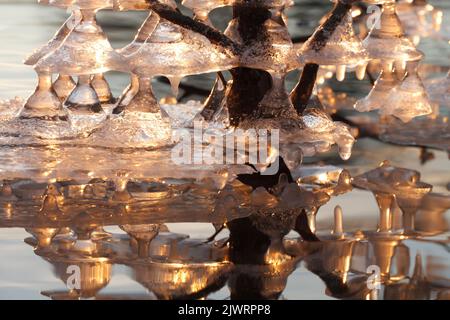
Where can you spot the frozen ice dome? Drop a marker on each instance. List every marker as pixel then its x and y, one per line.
pixel 272 50
pixel 86 50
pixel 409 98
pixel 173 51
pixel 389 42
pixel 377 97
pixel 53 44
pixel 343 47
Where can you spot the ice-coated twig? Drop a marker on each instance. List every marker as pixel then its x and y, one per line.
pixel 216 37
pixel 304 88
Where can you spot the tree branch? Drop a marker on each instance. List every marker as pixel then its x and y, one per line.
pixel 304 88
pixel 216 37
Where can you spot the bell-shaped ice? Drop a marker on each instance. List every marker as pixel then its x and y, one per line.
pixel 379 94
pixel 389 43
pixel 139 125
pixel 202 8
pixel 391 180
pixel 271 50
pixel 44 103
pixel 54 43
pixel 86 50
pixel 342 48
pixel 102 89
pixel 142 35
pixel 175 52
pixel 63 86
pixel 408 99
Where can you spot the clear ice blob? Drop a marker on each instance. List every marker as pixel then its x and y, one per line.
pixel 83 99
pixel 102 89
pixel 44 103
pixel 343 48
pixel 63 86
pixel 389 43
pixel 173 51
pixel 85 51
pixel 408 99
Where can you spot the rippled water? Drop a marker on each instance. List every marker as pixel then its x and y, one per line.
pixel 24 274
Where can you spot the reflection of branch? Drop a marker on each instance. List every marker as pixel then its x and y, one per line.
pixel 303 229
pixel 216 37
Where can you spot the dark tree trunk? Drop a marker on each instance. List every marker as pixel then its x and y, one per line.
pixel 249 85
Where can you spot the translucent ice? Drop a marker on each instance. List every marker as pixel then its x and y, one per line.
pixel 44 103
pixel 408 99
pixel 343 48
pixel 133 129
pixel 176 52
pixel 142 35
pixel 377 97
pixel 54 43
pixel 63 86
pixel 86 50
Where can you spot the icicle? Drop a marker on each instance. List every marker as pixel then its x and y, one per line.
pixel 44 103
pixel 174 84
pixel 361 71
pixel 338 228
pixel 340 72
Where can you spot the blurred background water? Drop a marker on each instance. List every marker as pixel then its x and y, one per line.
pixel 25 25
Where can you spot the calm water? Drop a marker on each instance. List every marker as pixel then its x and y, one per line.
pixel 23 274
